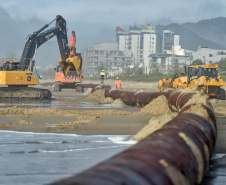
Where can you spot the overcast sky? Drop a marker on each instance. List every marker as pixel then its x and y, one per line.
pixel 116 12
pixel 95 20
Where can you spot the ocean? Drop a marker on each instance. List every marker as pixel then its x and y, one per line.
pixel 41 158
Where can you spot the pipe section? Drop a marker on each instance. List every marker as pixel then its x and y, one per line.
pixel 175 99
pixel 176 154
pixel 95 87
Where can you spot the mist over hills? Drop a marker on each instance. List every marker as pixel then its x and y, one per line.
pixel 191 40
pixel 13 33
pixel 211 29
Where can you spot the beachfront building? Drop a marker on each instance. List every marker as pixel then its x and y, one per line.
pixel 167 39
pixel 141 41
pixel 108 56
pixel 145 40
pixel 170 61
pixel 208 56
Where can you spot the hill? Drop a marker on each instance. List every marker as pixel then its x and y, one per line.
pixel 191 40
pixel 211 29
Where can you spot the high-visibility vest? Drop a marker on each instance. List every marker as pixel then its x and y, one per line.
pixel 102 73
pixel 118 84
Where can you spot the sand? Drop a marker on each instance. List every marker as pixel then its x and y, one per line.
pixel 97 95
pixel 58 112
pixel 158 106
pixel 86 121
pixel 153 125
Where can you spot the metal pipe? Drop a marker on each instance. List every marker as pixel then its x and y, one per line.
pixel 178 153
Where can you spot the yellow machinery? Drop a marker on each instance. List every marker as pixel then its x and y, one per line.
pixel 204 76
pixel 17 74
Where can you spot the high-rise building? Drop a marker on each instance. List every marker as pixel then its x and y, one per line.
pixel 106 55
pixel 140 41
pixel 144 41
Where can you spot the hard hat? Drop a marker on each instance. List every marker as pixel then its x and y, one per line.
pixel 117 78
pixel 102 70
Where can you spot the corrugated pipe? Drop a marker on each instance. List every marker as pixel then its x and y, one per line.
pixel 96 87
pixel 176 154
pixel 175 99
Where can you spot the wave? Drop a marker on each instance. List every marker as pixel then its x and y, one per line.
pixel 36 133
pixel 73 150
pixel 47 142
pixel 122 140
pixel 217 156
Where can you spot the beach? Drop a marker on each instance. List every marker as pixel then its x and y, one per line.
pixel 93 115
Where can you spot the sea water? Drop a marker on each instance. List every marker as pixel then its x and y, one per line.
pixel 41 158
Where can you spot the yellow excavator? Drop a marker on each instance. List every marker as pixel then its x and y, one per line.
pixel 204 76
pixel 17 74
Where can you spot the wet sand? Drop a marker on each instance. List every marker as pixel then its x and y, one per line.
pixel 102 125
pixel 124 121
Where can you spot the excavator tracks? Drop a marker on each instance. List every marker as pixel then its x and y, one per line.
pixel 25 93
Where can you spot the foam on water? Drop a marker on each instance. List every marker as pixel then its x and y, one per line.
pixel 217 156
pixel 122 140
pixel 73 150
pixel 36 133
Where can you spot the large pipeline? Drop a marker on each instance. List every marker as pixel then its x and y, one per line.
pixel 176 154
pixel 176 99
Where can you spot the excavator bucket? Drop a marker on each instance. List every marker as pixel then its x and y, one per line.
pixel 72 64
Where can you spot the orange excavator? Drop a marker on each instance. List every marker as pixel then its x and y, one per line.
pixel 17 75
pixel 73 79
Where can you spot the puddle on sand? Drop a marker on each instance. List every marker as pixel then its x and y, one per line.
pixel 216 174
pixel 59 104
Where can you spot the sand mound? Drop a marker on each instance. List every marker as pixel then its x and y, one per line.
pixel 82 120
pixel 157 106
pixel 88 92
pixel 220 111
pixel 97 95
pixel 190 90
pixel 139 91
pixel 56 112
pixel 6 124
pixel 35 111
pixel 24 122
pixel 153 125
pixel 108 100
pixel 199 98
pixel 118 101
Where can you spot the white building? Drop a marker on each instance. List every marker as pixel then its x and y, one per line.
pixel 140 41
pixel 207 55
pixel 108 56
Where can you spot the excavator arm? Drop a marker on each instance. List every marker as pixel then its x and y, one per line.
pixel 67 62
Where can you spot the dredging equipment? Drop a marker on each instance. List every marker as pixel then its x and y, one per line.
pixel 176 154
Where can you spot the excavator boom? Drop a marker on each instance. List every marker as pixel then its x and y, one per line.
pixel 18 74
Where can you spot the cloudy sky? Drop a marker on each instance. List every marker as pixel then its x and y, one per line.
pixel 96 20
pixel 116 11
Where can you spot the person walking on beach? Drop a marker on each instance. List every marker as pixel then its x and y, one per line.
pixel 118 83
pixel 102 77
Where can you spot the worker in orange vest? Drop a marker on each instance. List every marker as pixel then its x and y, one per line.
pixel 118 83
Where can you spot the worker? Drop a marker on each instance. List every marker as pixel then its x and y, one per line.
pixel 102 77
pixel 118 83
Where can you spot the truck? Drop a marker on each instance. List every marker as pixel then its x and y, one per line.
pixel 205 77
pixel 16 75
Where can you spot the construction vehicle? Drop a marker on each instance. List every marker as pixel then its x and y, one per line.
pixel 203 76
pixel 73 79
pixel 18 74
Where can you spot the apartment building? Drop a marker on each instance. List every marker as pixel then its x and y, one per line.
pixel 141 41
pixel 108 56
pixel 207 55
pixel 145 40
